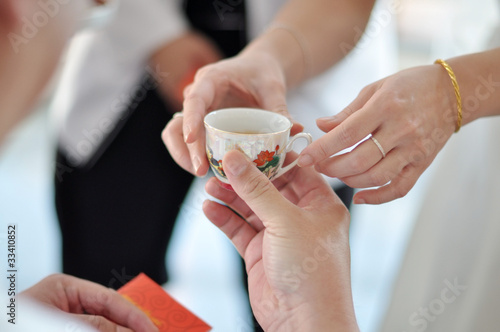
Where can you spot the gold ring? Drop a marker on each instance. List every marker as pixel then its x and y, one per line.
pixel 378 146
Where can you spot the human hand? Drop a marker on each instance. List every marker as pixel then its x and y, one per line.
pixel 246 80
pixel 180 59
pixel 295 243
pixel 411 114
pixel 101 307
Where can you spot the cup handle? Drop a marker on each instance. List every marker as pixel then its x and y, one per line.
pixel 289 147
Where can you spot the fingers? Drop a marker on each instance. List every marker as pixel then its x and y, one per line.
pixel 98 300
pixel 198 99
pixel 236 229
pixel 344 130
pixel 255 188
pixel 198 157
pixel 101 324
pixel 328 123
pixel 218 190
pixel 345 135
pixel 398 188
pixel 273 96
pixel 194 109
pixel 358 161
pixel 173 139
pixel 383 172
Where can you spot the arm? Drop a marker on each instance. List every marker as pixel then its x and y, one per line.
pixel 412 114
pixel 304 41
pixel 294 239
pixel 305 36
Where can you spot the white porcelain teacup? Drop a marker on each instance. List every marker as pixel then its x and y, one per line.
pixel 262 135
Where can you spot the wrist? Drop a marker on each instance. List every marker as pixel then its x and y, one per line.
pixel 327 318
pixel 287 51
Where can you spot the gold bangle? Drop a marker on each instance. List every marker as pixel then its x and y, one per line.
pixel 453 78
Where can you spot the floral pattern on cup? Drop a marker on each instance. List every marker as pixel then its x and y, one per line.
pixel 267 162
pixel 262 136
pixel 216 164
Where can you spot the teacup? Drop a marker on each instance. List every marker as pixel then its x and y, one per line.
pixel 262 135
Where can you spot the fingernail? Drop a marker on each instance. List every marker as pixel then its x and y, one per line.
pixel 196 164
pixel 305 160
pixel 236 165
pixel 187 132
pixel 359 201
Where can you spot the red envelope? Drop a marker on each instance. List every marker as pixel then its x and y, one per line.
pixel 167 314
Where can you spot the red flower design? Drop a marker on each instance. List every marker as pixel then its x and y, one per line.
pixel 220 167
pixel 263 157
pixel 277 148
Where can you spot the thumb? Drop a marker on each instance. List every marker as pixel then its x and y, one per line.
pixel 254 187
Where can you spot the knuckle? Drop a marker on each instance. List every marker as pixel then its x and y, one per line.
pixel 211 70
pixel 394 102
pixel 348 110
pixel 368 89
pixel 400 190
pixel 166 132
pixel 323 149
pixel 256 186
pixel 381 178
pixel 275 86
pixel 347 134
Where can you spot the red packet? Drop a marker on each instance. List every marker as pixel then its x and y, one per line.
pixel 167 314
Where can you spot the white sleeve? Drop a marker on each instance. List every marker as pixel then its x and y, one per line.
pixel 104 71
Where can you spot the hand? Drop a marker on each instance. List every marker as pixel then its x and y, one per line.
pixel 294 240
pixel 244 81
pixel 181 58
pixel 411 114
pixel 101 307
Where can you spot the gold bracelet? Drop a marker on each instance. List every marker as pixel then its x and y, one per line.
pixel 457 91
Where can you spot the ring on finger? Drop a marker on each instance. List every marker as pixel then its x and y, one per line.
pixel 379 146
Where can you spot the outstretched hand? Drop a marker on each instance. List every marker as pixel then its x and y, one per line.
pixel 294 240
pixel 243 81
pixel 101 307
pixel 410 114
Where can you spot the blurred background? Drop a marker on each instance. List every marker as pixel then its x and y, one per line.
pixel 204 268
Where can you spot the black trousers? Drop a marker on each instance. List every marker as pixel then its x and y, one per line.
pixel 117 217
